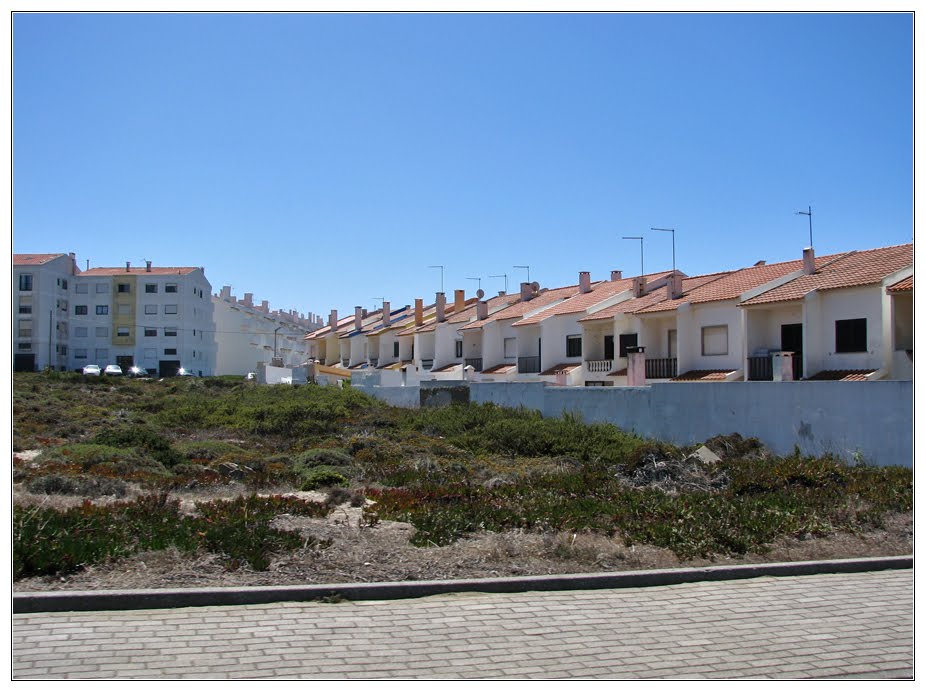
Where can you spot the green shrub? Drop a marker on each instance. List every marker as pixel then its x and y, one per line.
pixel 88 486
pixel 142 438
pixel 322 477
pixel 323 457
pixel 207 449
pixel 87 455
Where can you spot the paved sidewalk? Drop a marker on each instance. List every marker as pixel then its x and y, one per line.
pixel 818 626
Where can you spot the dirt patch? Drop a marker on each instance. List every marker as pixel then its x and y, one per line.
pixel 344 548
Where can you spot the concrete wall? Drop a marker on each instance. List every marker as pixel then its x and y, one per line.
pixel 870 419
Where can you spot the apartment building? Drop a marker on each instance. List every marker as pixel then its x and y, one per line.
pixel 248 334
pixel 42 286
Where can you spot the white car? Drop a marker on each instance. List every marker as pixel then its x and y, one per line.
pixel 183 372
pixel 92 370
pixel 113 370
pixel 251 376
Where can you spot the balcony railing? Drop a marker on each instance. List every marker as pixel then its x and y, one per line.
pixel 474 363
pixel 760 367
pixel 599 365
pixel 427 363
pixel 529 364
pixel 661 368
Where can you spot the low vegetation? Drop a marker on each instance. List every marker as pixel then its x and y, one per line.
pixel 450 472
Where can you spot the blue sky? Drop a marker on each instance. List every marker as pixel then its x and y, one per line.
pixel 327 160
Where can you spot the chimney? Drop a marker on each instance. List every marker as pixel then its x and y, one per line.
pixel 809 267
pixel 482 310
pixel 459 299
pixel 419 312
pixel 674 287
pixel 226 292
pixel 333 319
pixel 386 311
pixel 527 291
pixel 248 300
pixel 616 275
pixel 358 317
pixel 265 305
pixel 128 266
pixel 148 266
pixel 585 282
pixel 639 286
pixel 440 304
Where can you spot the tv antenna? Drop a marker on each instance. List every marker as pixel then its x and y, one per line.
pixel 501 276
pixel 809 215
pixel 527 267
pixel 640 238
pixel 441 267
pixel 672 231
pixel 476 278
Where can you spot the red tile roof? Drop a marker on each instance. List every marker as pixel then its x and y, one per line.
pixel 35 259
pixel 902 286
pixel 842 375
pixel 601 291
pixel 160 271
pixel 448 368
pixel 522 307
pixel 562 367
pixel 859 268
pixel 500 368
pixel 494 303
pixel 730 285
pixel 658 295
pixel 703 376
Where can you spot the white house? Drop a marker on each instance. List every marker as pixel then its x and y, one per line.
pixel 42 288
pixel 248 334
pixel 160 318
pixel 839 315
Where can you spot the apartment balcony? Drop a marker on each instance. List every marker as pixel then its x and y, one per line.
pixel 661 368
pixel 474 363
pixel 529 364
pixel 599 366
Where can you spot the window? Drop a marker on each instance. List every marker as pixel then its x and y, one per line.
pixel 574 346
pixel 102 332
pixel 102 288
pixel 123 288
pixel 151 309
pixel 852 336
pixel 25 309
pixel 80 354
pixel 714 340
pixel 25 282
pixel 81 288
pixel 101 354
pixel 122 331
pixel 63 283
pixel 63 350
pixel 395 350
pixel 170 352
pixel 626 341
pixel 80 309
pixel 80 331
pixel 170 309
pixel 458 349
pixel 171 288
pixel 149 331
pixel 151 288
pixel 170 331
pixel 26 346
pixel 511 347
pixel 25 329
pixel 124 309
pixel 102 309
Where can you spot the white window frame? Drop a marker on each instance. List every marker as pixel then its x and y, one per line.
pixel 715 340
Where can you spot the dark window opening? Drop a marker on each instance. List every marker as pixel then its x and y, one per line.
pixel 626 341
pixel 852 336
pixel 574 346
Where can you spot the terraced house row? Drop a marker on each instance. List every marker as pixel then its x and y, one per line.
pixel 843 316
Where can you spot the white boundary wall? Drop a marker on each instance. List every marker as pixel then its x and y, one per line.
pixel 868 420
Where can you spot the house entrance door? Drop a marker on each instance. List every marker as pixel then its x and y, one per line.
pixel 792 339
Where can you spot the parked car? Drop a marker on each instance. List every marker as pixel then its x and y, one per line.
pixel 113 370
pixel 136 371
pixel 251 376
pixel 91 370
pixel 183 372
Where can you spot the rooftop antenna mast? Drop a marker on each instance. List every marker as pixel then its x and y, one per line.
pixel 476 278
pixel 501 276
pixel 672 231
pixel 441 267
pixel 640 238
pixel 382 301
pixel 809 215
pixel 527 267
